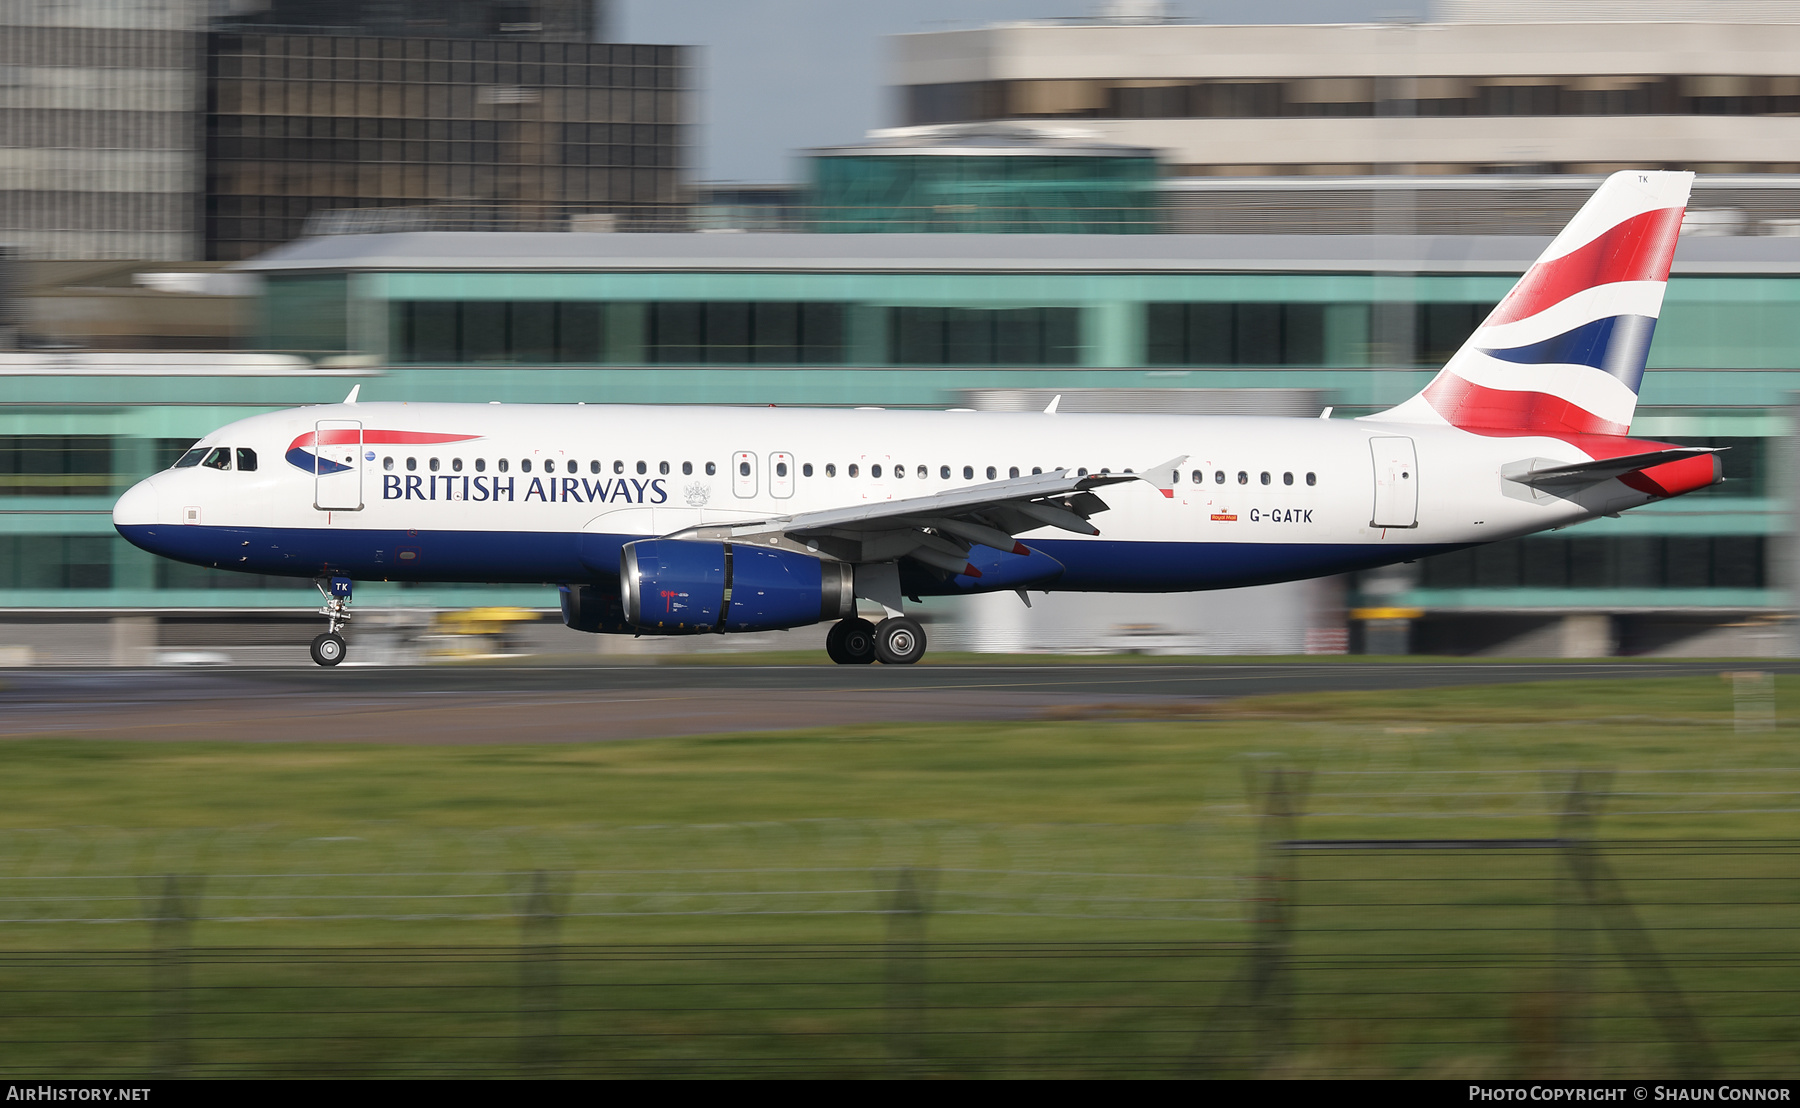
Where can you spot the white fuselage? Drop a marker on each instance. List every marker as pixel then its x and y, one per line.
pixel 540 493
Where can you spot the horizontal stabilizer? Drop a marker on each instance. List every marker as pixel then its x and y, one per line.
pixel 1537 475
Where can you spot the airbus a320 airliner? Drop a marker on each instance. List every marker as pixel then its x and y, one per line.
pixel 701 520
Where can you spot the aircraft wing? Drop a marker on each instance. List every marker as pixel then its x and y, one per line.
pixel 939 528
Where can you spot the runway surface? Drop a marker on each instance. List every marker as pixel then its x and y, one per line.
pixel 588 703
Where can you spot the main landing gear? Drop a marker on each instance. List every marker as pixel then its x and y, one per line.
pixel 329 649
pixel 898 641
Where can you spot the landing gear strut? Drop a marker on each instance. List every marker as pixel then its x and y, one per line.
pixel 851 642
pixel 329 649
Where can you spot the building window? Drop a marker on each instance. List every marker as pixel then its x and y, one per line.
pixel 58 561
pixel 984 336
pixel 497 331
pixel 57 465
pixel 1604 562
pixel 744 333
pixel 1234 334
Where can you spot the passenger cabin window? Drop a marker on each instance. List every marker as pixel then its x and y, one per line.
pixel 1243 478
pixel 503 465
pixel 433 465
pixel 992 473
pixel 246 460
pixel 190 459
pixel 1199 476
pixel 944 473
pixel 662 468
pixel 220 458
pixel 524 465
pixel 852 470
pixel 968 473
pixel 1287 478
pixel 780 469
pixel 594 466
pixel 1311 479
pixel 412 464
pixel 1265 477
pixel 831 469
pixel 711 469
pixel 899 472
pixel 642 469
pixel 1013 472
pixel 618 467
pixel 806 469
pixel 480 465
pixel 875 471
pixel 549 465
pixel 743 469
pixel 1218 477
pixel 1035 470
pixel 687 469
pixel 387 463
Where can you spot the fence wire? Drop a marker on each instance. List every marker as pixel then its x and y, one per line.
pixel 1565 956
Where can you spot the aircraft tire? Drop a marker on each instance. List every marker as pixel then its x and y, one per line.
pixel 899 641
pixel 328 649
pixel 851 642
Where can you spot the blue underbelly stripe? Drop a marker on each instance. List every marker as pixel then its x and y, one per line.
pixel 540 557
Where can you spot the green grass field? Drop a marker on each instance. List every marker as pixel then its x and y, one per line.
pixel 764 867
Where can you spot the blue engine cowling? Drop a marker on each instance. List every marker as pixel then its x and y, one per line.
pixel 685 586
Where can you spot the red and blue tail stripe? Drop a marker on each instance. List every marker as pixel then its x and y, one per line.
pixel 1564 353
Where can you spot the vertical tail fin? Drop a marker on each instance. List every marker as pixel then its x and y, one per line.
pixel 1565 351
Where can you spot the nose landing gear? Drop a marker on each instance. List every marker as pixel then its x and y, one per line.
pixel 329 649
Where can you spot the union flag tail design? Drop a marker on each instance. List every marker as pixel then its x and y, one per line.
pixel 1565 351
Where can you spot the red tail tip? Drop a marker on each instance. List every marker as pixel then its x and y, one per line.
pixel 971 571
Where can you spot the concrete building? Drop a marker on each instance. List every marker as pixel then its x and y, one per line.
pixel 1486 87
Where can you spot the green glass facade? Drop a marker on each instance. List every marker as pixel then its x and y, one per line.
pixel 1021 191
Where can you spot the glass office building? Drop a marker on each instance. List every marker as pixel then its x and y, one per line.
pixel 100 114
pixel 304 123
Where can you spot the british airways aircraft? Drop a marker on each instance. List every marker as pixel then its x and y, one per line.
pixel 701 520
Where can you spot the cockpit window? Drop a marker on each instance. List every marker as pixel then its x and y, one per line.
pixel 246 460
pixel 220 458
pixel 190 459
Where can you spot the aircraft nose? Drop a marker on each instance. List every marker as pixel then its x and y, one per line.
pixel 139 506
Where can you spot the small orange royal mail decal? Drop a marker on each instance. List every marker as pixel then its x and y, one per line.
pixel 1224 517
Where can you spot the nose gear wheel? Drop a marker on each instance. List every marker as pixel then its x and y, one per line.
pixel 329 649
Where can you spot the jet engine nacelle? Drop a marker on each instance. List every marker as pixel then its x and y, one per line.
pixel 685 586
pixel 594 609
